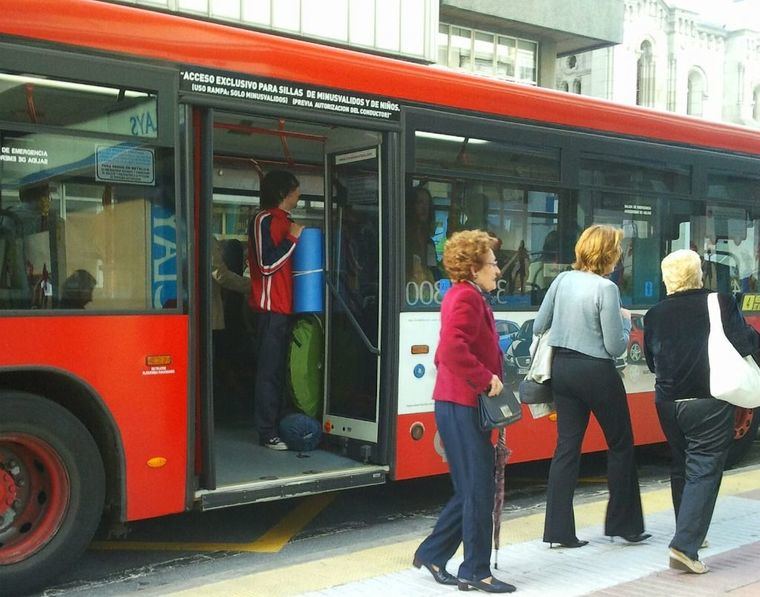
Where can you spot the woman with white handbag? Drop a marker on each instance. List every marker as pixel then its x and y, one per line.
pixel 694 341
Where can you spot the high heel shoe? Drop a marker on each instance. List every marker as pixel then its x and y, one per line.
pixel 574 544
pixel 439 573
pixel 493 586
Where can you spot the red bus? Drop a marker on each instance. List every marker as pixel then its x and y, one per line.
pixel 131 140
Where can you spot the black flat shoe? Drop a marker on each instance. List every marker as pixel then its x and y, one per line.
pixel 637 538
pixel 494 586
pixel 632 538
pixel 575 543
pixel 439 574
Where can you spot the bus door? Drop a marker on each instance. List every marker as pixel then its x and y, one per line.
pixel 353 189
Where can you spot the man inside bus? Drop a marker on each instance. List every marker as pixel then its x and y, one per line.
pixel 272 237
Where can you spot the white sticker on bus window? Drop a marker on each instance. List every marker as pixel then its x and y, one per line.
pixel 356 156
pixel 130 165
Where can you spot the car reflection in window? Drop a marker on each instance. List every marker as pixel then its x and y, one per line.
pixel 517 357
pixel 507 331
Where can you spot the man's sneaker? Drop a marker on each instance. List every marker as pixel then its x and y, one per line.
pixel 275 443
pixel 680 561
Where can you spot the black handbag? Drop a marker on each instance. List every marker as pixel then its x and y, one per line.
pixel 532 392
pixel 499 411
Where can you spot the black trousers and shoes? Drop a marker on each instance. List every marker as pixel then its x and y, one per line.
pixel 583 385
pixel 272 340
pixel 700 433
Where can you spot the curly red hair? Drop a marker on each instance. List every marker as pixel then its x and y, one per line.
pixel 465 251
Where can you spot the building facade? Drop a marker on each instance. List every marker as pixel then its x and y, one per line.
pixel 401 28
pixel 508 40
pixel 673 58
pixel 521 41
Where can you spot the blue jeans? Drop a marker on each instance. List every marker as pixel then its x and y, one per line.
pixel 468 516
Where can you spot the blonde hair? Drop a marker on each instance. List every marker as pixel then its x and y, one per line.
pixel 681 270
pixel 598 249
pixel 464 251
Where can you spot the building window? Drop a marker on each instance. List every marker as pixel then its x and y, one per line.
pixel 756 104
pixel 460 50
pixel 577 86
pixel 695 93
pixel 645 76
pixel 488 54
pixel 564 86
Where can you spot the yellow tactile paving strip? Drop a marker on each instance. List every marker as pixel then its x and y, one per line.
pixel 359 565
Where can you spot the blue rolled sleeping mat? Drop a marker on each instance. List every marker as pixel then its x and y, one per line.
pixel 308 272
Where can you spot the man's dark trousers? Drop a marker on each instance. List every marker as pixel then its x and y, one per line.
pixel 272 339
pixel 468 516
pixel 699 433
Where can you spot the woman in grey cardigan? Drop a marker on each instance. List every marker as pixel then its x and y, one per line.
pixel 588 330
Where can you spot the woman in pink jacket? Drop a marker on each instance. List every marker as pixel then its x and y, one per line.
pixel 468 362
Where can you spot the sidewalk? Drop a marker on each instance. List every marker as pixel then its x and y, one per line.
pixel 602 568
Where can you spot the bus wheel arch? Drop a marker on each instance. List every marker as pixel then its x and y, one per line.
pixel 54 489
pixel 82 401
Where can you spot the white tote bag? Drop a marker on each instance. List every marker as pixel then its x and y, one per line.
pixel 541 358
pixel 733 378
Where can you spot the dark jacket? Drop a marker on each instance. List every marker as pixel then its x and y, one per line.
pixel 675 338
pixel 468 353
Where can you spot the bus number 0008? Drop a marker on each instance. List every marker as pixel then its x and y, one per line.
pixel 425 293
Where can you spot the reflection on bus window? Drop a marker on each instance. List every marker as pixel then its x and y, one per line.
pixel 726 237
pixel 637 274
pixel 86 218
pixel 78 106
pixel 523 223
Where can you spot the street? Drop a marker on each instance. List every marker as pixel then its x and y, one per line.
pixel 155 556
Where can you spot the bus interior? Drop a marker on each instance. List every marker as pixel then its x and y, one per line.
pixel 331 373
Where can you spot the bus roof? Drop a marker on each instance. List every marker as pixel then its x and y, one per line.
pixel 178 39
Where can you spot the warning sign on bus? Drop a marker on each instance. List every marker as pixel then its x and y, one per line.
pixel 287 93
pixel 125 164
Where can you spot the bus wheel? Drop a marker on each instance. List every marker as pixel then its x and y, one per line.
pixel 52 488
pixel 746 423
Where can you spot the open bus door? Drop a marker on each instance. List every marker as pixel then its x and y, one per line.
pixel 353 190
pixel 233 154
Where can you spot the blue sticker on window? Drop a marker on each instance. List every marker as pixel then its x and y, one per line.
pixel 419 371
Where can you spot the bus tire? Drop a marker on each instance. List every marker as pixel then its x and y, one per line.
pixel 52 488
pixel 746 423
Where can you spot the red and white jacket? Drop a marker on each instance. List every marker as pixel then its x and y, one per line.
pixel 270 246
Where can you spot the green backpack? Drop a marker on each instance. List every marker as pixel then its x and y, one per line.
pixel 306 357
